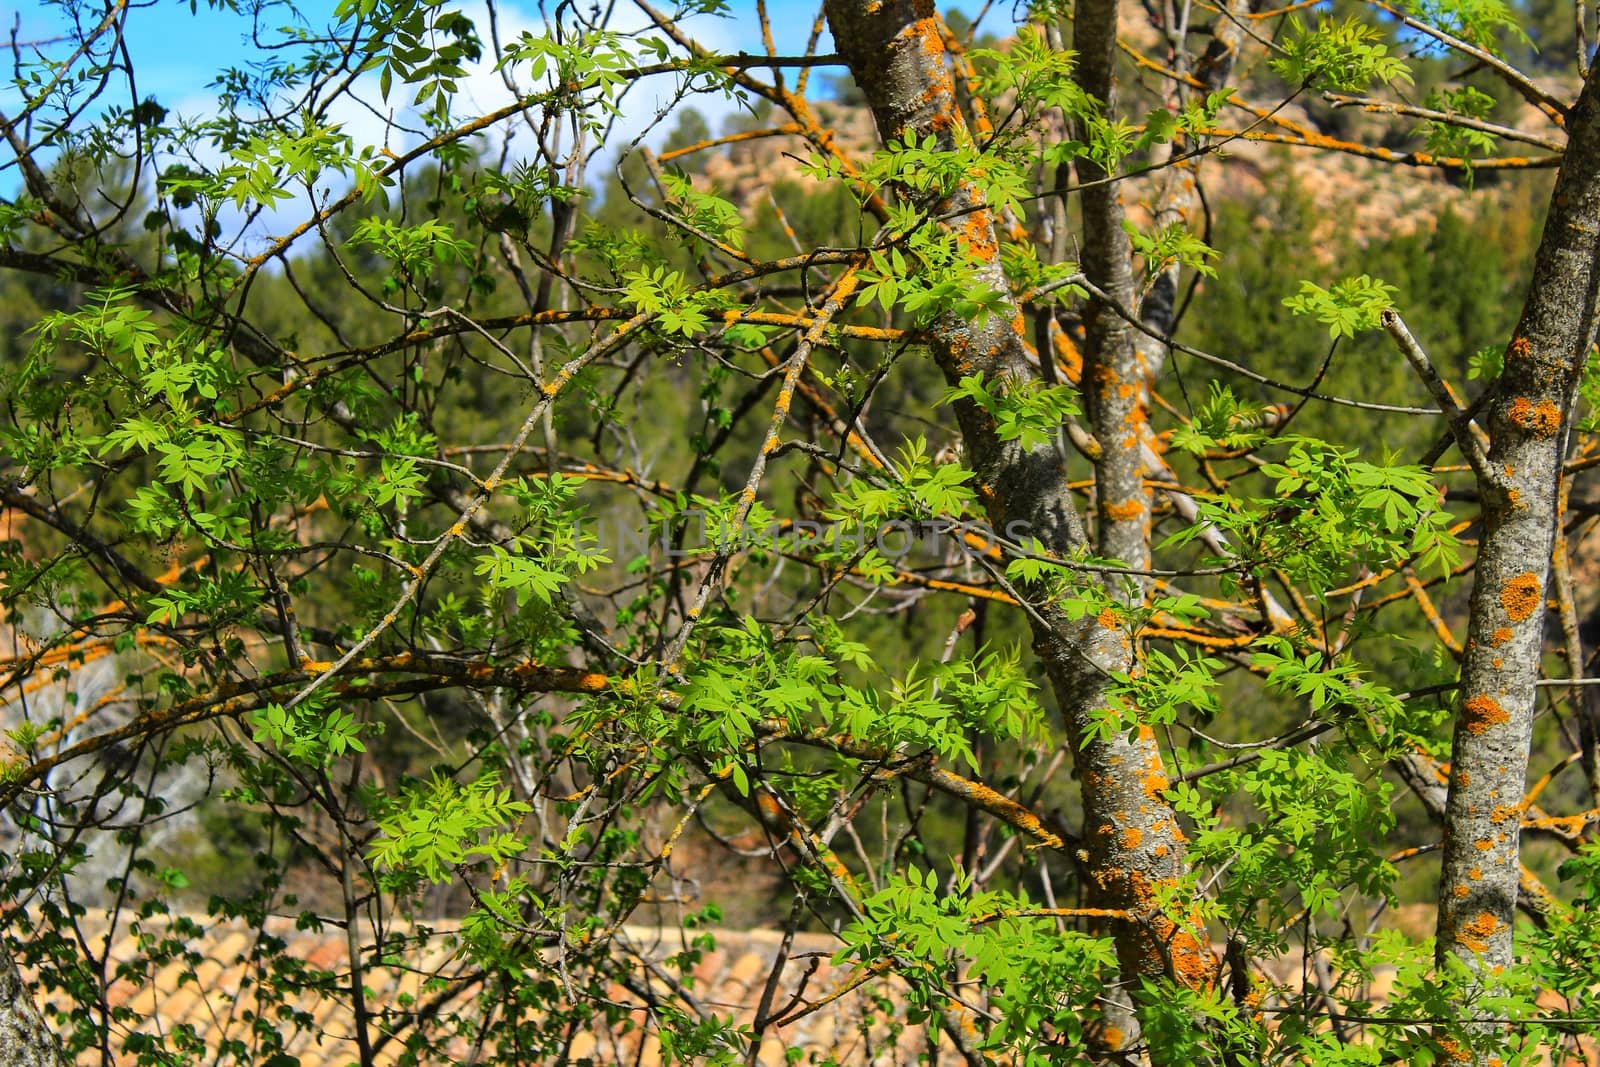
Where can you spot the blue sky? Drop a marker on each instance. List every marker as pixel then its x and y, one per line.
pixel 178 52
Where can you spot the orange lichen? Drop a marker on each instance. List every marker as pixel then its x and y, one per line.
pixel 1541 419
pixel 1170 946
pixel 1484 711
pixel 1131 836
pixel 1483 844
pixel 1520 348
pixel 1521 596
pixel 1547 415
pixel 1475 934
pixel 1500 636
pixel 1569 826
pixel 1515 498
pixel 978 232
pixel 1123 511
pixel 1504 812
pixel 1476 874
pixel 1107 619
pixel 1461 891
pixel 1192 962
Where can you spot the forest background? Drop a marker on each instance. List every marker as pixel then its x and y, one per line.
pixel 257 461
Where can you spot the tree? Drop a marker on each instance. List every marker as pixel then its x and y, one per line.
pixel 466 549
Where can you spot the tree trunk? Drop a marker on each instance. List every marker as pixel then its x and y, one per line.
pixel 1528 420
pixel 25 1041
pixel 1133 847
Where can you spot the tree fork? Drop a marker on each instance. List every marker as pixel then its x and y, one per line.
pixel 1134 849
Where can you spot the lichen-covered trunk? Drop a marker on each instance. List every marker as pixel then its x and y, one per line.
pixel 1133 844
pixel 1527 424
pixel 1115 382
pixel 24 1039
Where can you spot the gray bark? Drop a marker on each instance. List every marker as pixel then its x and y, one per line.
pixel 1527 423
pixel 1115 385
pixel 25 1041
pixel 1133 845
